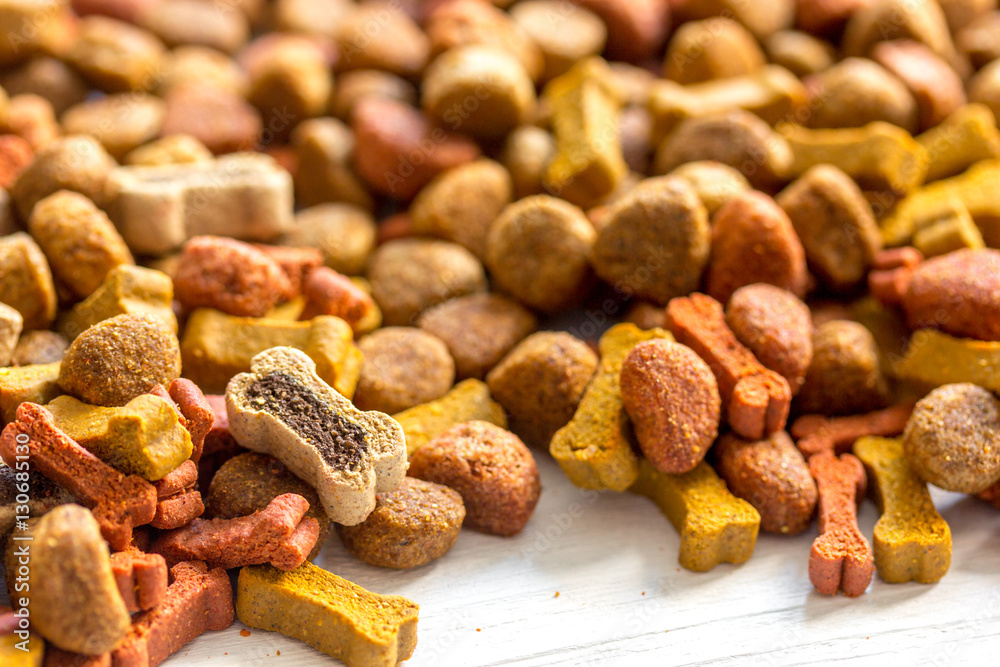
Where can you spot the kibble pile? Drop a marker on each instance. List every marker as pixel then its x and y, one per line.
pixel 276 269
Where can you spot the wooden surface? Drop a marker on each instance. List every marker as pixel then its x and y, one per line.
pixel 623 600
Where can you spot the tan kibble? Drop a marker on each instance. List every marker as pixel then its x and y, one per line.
pixel 48 77
pixel 537 251
pixel 526 155
pixel 32 118
pixel 11 324
pixel 478 90
pixel 198 64
pixel 461 203
pixel 78 239
pixel 716 48
pixel 193 22
pixel 985 88
pixel 714 183
pixel 402 367
pixel 76 163
pixel 120 122
pixel 116 56
pixel 540 383
pixel 799 52
pixel 173 149
pixel 357 84
pixel 408 276
pixel 479 329
pixel 17 17
pixel 306 16
pixel 564 33
pixel 26 280
pixel 345 234
pixel 324 148
pixel 857 91
pixel 39 347
pixel 845 376
pixel 377 35
pixel 654 242
pixel 978 40
pixel 116 360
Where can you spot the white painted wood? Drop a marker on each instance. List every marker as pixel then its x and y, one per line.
pixel 623 600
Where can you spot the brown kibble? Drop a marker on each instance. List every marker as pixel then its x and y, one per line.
pixel 345 234
pixel 841 558
pixel 655 241
pixel 673 401
pixel 408 276
pixel 845 376
pixel 118 359
pixel 799 52
pixel 141 578
pixel 835 225
pixel 75 163
pixel 219 118
pixel 228 275
pixel 402 367
pixel 637 29
pixel 772 476
pixel 460 204
pixel 324 148
pixel 857 91
pixel 526 154
pixel 776 326
pixel 951 438
pixel 756 400
pixel 187 65
pixel 937 88
pixel 398 151
pixel 479 329
pixel 354 86
pixel 193 22
pixel 753 241
pixel 80 242
pixel 537 251
pixel 564 34
pixel 248 482
pixel 958 293
pixel 377 35
pixel 279 534
pixel 491 468
pixel 410 526
pixel 26 281
pixel 817 434
pixel 115 56
pixel 540 383
pixel 716 48
pixel 47 77
pixel 120 122
pixel 39 347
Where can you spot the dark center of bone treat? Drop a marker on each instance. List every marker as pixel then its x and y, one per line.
pixel 340 442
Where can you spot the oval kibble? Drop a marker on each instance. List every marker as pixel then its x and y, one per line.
pixel 77 163
pixel 951 439
pixel 958 292
pixel 857 91
pixel 673 400
pixel 410 526
pixel 844 376
pixel 772 476
pixel 120 358
pixel 344 233
pixel 402 367
pixel 714 183
pixel 491 468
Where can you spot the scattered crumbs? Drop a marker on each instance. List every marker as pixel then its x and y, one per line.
pixel 557 594
pixel 244 633
pixel 479 629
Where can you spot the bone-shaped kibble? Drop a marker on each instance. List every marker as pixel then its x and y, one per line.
pixel 284 409
pixel 127 290
pixel 965 137
pixel 912 541
pixel 56 657
pixel 841 557
pixel 141 578
pixel 277 534
pixel 216 346
pixel 756 399
pixel 143 437
pixel 467 401
pixel 772 92
pixel 198 600
pixel 934 358
pixel 118 502
pixel 816 434
pixel 247 196
pixel 588 164
pixel 953 229
pixel 714 525
pixel 595 448
pixel 879 156
pixel 329 613
pixel 975 188
pixel 178 502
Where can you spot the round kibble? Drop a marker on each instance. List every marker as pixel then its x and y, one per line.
pixel 716 48
pixel 48 77
pixel 479 329
pixel 115 56
pixel 478 90
pixel 540 383
pixel 844 376
pixel 345 234
pixel 120 358
pixel 654 242
pixel 776 326
pixel 378 35
pixel 410 526
pixel 120 122
pixel 76 163
pixel 673 401
pixel 565 34
pixel 714 183
pixel 408 276
pixel 858 91
pixel 526 154
pixel 537 251
pixel 197 64
pixel 959 293
pixel 402 367
pixel 490 468
pixel 799 52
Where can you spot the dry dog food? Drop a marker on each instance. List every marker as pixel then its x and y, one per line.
pixel 490 468
pixel 469 400
pixel 126 290
pixel 38 347
pixel 11 324
pixel 283 408
pixel 26 284
pixel 912 542
pixel 410 526
pixel 141 578
pixel 34 384
pixel 933 359
pixel 845 376
pixel 402 367
pixel 330 614
pixel 540 383
pixel 818 434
